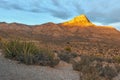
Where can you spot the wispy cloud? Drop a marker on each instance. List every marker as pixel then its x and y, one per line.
pixel 5 4
pixel 60 9
pixel 99 11
pixel 103 11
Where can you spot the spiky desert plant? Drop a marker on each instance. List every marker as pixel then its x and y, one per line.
pixel 22 51
pixel 11 48
pixel 28 53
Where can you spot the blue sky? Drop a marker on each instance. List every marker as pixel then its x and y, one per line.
pixel 34 12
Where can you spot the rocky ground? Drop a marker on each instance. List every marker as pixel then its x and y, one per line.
pixel 12 70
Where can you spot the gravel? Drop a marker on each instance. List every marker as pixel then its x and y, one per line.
pixel 11 70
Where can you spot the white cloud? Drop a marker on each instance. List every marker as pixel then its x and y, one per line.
pixel 97 23
pixel 116 25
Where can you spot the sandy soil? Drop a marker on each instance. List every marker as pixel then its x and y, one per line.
pixel 11 70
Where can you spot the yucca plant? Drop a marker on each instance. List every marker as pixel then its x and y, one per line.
pixel 29 53
pixel 21 51
pixel 29 50
pixel 11 48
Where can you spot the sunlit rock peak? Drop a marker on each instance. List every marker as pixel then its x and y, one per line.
pixel 80 20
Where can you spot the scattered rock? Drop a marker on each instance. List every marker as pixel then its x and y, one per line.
pixel 64 66
pixel 77 59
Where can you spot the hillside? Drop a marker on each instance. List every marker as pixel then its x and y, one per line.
pixel 82 35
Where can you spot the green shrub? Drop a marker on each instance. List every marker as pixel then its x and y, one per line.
pixel 29 53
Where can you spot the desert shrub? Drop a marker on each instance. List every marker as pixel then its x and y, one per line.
pixel 92 68
pixel 107 72
pixel 0 38
pixel 0 42
pixel 29 53
pixel 91 76
pixel 86 61
pixel 21 51
pixel 46 58
pixel 68 49
pixel 116 59
pixel 117 66
pixel 67 56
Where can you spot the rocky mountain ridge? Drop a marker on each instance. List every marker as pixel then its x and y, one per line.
pixel 88 39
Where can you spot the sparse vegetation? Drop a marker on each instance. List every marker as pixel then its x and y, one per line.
pixel 116 59
pixel 28 53
pixel 68 48
pixel 0 42
pixel 46 58
pixel 95 68
pixel 66 56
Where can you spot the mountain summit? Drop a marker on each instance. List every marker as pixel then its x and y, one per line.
pixel 80 20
